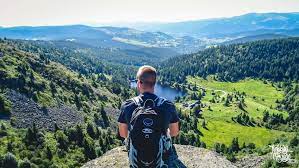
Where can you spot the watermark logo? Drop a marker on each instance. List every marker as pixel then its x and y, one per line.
pixel 282 154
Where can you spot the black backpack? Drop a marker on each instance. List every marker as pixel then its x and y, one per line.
pixel 145 134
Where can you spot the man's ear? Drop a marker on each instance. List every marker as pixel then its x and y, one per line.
pixel 139 85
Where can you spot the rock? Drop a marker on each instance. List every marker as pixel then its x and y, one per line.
pixel 26 112
pixel 191 157
pixel 251 162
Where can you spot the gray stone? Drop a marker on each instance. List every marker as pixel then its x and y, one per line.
pixel 26 112
pixel 191 157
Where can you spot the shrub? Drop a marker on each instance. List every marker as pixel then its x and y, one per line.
pixel 5 106
pixel 25 164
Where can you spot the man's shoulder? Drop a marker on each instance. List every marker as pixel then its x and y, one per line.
pixel 127 103
pixel 165 102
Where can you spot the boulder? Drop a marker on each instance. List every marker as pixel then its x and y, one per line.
pixel 191 157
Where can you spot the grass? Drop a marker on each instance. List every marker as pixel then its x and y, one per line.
pixel 264 94
pixel 221 128
pixel 224 132
pixel 134 42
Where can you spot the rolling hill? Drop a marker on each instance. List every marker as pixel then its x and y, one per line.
pixel 240 97
pixel 267 59
pixel 51 114
pixel 255 38
pixel 233 27
pixel 107 37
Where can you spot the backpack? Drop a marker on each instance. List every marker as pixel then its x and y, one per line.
pixel 145 134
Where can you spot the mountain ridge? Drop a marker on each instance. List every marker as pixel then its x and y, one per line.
pixel 228 25
pixel 106 36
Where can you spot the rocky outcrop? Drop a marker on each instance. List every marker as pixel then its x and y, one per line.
pixel 25 112
pixel 191 157
pixel 251 162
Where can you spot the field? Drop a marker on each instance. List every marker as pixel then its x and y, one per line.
pixel 260 96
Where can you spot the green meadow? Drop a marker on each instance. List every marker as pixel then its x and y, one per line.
pixel 223 132
pixel 220 127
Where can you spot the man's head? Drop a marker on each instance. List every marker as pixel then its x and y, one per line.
pixel 146 79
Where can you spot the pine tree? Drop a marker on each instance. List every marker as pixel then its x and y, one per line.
pixel 204 124
pixel 49 153
pixel 226 103
pixel 217 147
pixel 235 145
pixel 89 149
pixel 9 146
pixel 104 116
pixel 61 140
pixel 266 116
pixel 294 142
pixel 241 105
pixel 223 148
pixel 9 161
pixel 79 135
pixel 31 136
pixel 96 118
pixel 90 130
pixel 25 164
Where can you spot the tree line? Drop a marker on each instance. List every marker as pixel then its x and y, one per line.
pixel 276 60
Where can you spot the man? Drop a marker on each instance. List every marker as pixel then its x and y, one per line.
pixel 152 110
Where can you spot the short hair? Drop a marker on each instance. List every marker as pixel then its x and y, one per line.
pixel 147 75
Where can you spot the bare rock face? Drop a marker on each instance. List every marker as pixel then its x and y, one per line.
pixel 191 157
pixel 25 112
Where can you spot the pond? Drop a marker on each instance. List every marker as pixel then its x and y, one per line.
pixel 164 91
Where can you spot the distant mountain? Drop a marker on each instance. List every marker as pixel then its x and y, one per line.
pixel 249 24
pixel 109 37
pixel 180 37
pixel 255 38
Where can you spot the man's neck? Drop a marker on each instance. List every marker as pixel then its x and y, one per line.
pixel 147 91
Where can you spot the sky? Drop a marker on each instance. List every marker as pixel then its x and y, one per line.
pixel 65 12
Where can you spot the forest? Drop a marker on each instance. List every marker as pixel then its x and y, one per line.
pixel 53 142
pixel 89 84
pixel 276 60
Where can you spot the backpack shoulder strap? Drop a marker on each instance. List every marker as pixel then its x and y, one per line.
pixel 137 100
pixel 159 101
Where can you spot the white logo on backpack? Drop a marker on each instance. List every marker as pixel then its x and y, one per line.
pixel 148 122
